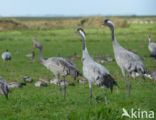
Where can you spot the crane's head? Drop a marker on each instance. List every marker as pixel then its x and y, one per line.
pixel 37 44
pixel 108 23
pixel 81 31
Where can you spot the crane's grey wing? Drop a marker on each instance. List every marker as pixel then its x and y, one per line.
pixel 70 62
pixel 60 64
pixel 69 67
pixel 54 65
pixel 131 62
pixel 101 75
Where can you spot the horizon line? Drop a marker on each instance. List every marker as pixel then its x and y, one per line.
pixel 126 15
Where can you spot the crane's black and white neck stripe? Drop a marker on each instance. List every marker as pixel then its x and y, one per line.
pixel 112 28
pixel 82 33
pixel 84 48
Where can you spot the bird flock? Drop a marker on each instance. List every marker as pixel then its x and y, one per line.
pixel 130 63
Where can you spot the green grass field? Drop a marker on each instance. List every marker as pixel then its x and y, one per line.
pixel 31 103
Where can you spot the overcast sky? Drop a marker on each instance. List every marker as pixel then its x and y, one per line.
pixel 76 7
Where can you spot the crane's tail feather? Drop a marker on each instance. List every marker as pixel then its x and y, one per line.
pixel 108 81
pixel 153 56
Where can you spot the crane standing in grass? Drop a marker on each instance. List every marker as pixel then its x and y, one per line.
pixel 152 47
pixel 6 56
pixel 93 71
pixel 4 90
pixel 128 61
pixel 58 65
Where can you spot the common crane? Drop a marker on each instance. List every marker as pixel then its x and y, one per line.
pixel 58 65
pixel 6 56
pixel 4 90
pixel 152 47
pixel 93 71
pixel 128 61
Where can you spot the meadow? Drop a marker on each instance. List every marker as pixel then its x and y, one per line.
pixel 47 103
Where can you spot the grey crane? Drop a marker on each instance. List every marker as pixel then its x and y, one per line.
pixel 58 65
pixel 6 56
pixel 93 71
pixel 4 90
pixel 152 47
pixel 129 62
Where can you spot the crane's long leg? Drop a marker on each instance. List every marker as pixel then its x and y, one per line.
pixel 127 83
pixel 128 86
pixel 58 78
pixel 105 95
pixel 64 88
pixel 75 78
pixel 90 90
